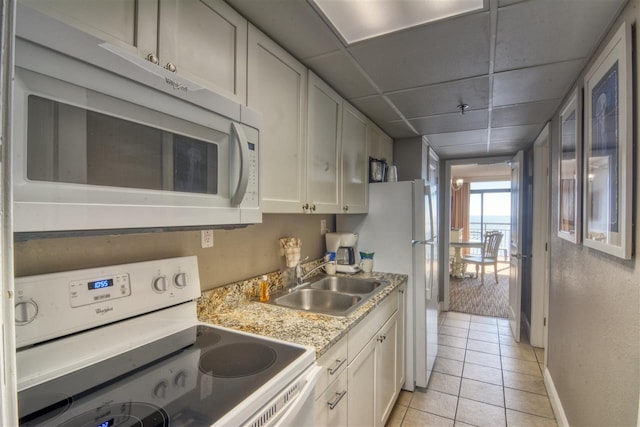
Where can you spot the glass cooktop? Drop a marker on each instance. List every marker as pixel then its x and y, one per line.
pixel 191 378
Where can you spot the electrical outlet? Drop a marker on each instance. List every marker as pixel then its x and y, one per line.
pixel 206 238
pixel 323 226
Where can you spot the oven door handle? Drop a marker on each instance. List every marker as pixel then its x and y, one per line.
pixel 243 176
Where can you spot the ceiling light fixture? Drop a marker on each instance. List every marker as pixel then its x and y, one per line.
pixel 358 20
pixel 457 184
pixel 463 108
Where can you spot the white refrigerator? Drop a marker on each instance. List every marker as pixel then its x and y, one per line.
pixel 401 228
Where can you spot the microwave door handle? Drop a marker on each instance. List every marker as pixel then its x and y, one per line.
pixel 243 176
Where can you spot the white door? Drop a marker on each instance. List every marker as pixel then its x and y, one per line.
pixel 515 249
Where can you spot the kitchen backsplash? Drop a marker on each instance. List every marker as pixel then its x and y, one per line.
pixel 228 297
pixel 237 254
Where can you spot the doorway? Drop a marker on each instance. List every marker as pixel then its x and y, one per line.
pixel 478 203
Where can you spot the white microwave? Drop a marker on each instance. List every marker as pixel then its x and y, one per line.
pixel 104 140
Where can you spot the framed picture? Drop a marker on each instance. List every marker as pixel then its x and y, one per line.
pixel 608 151
pixel 569 169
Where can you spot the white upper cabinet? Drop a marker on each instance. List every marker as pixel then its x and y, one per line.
pixel 323 147
pixel 277 87
pixel 204 41
pixel 379 144
pixel 355 183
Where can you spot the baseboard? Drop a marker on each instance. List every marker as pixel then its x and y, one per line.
pixel 556 404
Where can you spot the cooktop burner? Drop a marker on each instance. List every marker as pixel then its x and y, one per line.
pixel 237 360
pixel 193 377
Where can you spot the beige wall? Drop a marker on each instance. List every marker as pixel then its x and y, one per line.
pixel 236 255
pixel 594 317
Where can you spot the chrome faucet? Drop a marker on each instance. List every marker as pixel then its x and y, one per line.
pixel 300 277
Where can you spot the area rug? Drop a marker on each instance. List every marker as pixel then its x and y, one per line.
pixel 491 299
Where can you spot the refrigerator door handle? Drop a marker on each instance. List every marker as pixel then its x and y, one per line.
pixel 429 242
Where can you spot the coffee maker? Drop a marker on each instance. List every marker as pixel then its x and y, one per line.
pixel 345 247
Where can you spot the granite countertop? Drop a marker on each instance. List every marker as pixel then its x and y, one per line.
pixel 231 307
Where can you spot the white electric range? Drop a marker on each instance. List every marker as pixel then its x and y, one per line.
pixel 121 346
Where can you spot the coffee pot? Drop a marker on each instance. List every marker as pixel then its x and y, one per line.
pixel 345 247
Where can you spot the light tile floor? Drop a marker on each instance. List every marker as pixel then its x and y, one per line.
pixel 482 377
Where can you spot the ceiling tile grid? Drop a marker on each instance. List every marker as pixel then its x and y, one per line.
pixel 411 82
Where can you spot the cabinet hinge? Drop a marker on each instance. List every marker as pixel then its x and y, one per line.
pixel 546 247
pixel 545 322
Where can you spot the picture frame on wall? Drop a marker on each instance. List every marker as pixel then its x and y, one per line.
pixel 570 169
pixel 608 151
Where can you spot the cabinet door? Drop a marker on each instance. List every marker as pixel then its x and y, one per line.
pixel 129 24
pixel 206 40
pixel 277 88
pixel 386 356
pixel 323 147
pixel 386 148
pixel 331 406
pixel 361 380
pixel 400 348
pixel 355 184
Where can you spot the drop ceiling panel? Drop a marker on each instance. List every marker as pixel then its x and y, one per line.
pixel 293 24
pixel 524 114
pixel 526 134
pixel 442 98
pixel 527 30
pixel 535 84
pixel 376 108
pixel 449 50
pixel 452 122
pixel 459 151
pixel 341 73
pixel 458 138
pixel 397 129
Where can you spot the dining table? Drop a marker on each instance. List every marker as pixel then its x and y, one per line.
pixel 457 264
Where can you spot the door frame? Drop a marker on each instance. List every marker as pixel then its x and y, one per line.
pixel 540 273
pixel 445 224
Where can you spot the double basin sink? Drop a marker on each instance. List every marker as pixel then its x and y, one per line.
pixel 333 295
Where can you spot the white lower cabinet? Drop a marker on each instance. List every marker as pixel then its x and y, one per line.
pixel 362 372
pixel 331 406
pixel 386 370
pixel 362 391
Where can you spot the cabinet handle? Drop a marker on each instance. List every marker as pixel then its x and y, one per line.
pixel 337 366
pixel 171 67
pixel 337 399
pixel 401 291
pixel 152 58
pixel 305 207
pixel 345 208
pixel 313 208
pixel 382 338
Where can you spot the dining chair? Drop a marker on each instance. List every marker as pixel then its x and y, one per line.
pixel 489 254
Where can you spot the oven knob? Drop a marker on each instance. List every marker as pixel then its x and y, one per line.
pixel 180 280
pixel 180 379
pixel 26 311
pixel 159 284
pixel 160 390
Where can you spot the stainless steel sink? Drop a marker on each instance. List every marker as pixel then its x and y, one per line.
pixel 346 284
pixel 333 295
pixel 318 301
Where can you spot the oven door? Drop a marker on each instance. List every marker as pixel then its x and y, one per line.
pixel 105 152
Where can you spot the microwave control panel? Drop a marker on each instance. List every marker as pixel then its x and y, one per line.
pixel 251 197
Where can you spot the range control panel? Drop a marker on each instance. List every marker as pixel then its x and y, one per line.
pixel 53 305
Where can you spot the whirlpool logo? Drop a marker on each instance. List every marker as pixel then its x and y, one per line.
pixel 176 85
pixel 103 310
